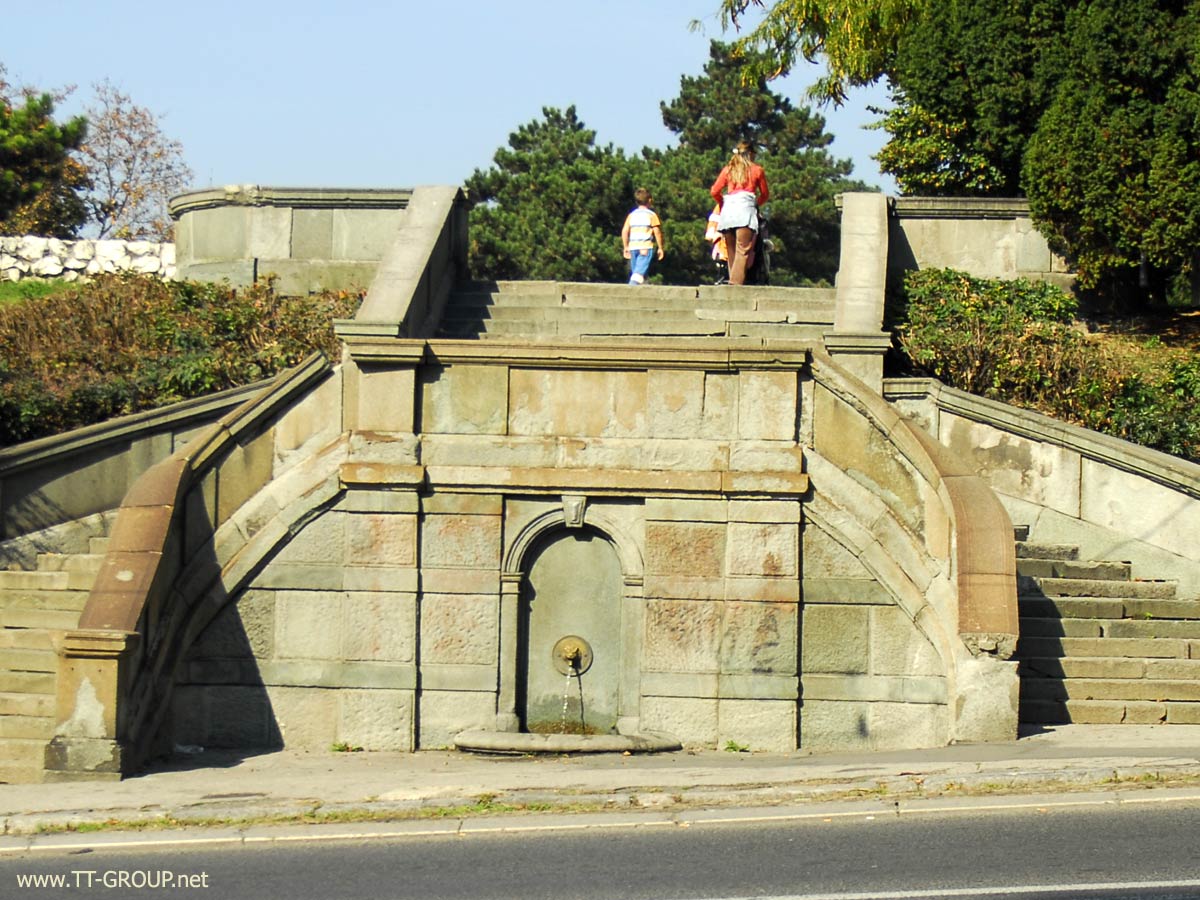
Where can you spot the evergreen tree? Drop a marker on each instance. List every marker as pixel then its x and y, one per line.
pixel 552 205
pixel 39 181
pixel 1113 170
pixel 709 116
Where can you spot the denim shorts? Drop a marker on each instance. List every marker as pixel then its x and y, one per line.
pixel 639 265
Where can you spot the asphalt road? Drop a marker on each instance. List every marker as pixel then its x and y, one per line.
pixel 1125 851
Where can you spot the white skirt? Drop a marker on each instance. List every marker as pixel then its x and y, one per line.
pixel 738 210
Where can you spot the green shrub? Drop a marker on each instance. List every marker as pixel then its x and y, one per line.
pixel 124 343
pixel 1015 341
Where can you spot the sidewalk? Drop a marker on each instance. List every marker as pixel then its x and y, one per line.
pixel 216 789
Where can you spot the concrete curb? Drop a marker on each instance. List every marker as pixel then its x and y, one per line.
pixel 685 791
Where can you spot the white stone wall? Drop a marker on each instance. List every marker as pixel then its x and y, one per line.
pixel 39 257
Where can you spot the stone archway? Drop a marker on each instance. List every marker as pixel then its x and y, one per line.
pixel 569 647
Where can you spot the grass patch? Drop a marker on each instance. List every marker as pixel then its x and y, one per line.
pixel 31 289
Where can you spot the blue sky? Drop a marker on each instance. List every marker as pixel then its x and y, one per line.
pixel 377 94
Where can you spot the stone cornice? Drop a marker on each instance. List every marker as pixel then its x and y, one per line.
pixel 292 197
pixel 376 346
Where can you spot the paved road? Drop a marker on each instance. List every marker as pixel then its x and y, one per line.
pixel 1141 850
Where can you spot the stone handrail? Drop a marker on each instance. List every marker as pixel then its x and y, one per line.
pixel 132 625
pixel 1115 499
pixel 934 519
pixel 415 278
pixel 65 477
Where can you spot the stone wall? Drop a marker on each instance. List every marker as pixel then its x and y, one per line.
pixel 39 257
pixel 1113 499
pixel 983 236
pixel 309 239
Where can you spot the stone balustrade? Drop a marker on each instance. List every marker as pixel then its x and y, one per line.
pixel 43 258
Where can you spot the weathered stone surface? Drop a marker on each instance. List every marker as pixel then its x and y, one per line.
pixel 826 558
pixel 833 726
pixel 692 719
pixel 239 716
pixel 386 399
pixel 309 624
pixel 381 539
pixel 1043 473
pixel 765 725
pixel 676 509
pixel 306 716
pixel 379 627
pixel 1134 505
pixel 900 726
pixel 767 406
pixel 459 629
pixel 580 403
pixel 323 540
pixel 682 636
pixel 759 637
pixel 835 639
pixel 376 720
pixel 464 400
pixel 763 549
pixel 675 402
pixel 898 648
pixel 460 541
pixel 446 713
pixel 684 548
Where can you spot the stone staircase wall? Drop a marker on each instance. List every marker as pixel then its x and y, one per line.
pixel 37 604
pixel 1098 646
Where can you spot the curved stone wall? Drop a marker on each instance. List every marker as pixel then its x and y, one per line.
pixel 40 257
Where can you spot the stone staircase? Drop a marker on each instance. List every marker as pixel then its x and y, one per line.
pixel 36 605
pixel 549 310
pixel 1098 647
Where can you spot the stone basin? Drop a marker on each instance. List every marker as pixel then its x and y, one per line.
pixel 482 741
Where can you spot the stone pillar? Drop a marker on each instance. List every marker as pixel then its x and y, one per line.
pixel 94 668
pixel 510 611
pixel 857 341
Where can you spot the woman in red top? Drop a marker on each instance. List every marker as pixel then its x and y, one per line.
pixel 738 190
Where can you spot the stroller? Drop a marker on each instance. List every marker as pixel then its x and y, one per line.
pixel 760 270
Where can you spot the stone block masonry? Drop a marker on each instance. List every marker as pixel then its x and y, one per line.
pixel 43 258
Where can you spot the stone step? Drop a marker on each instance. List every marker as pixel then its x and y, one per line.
pixel 1043 627
pixel 1109 712
pixel 25 639
pixel 1037 550
pixel 1187 629
pixel 1092 587
pixel 1111 668
pixel 20 753
pixel 72 600
pixel 21 660
pixel 1071 607
pixel 1031 626
pixel 21 774
pixel 41 727
pixel 53 619
pixel 1162 609
pixel 800 304
pixel 12 682
pixel 98 545
pixel 1132 648
pixel 1083 667
pixel 1073 569
pixel 81 568
pixel 1140 689
pixel 16 704
pixel 664 324
pixel 33 581
pixel 1106 608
